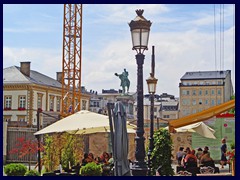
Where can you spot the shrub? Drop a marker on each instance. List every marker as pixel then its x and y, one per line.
pixel 15 169
pixel 91 169
pixel 32 173
pixel 162 152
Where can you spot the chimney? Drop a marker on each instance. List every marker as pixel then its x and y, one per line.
pixel 25 68
pixel 59 77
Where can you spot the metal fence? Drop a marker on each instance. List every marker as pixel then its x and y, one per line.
pixel 13 134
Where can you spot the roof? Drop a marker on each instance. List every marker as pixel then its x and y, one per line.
pixel 205 75
pixel 13 75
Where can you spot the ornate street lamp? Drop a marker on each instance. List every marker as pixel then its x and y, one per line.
pixel 152 84
pixel 140 28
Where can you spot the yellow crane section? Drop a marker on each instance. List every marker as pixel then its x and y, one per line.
pixel 72 59
pixel 201 116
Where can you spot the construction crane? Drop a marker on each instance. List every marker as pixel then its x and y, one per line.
pixel 72 59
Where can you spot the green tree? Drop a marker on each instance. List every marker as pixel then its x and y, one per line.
pixel 62 148
pixel 162 152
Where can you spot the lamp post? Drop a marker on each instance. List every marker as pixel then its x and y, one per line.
pixel 152 83
pixel 140 28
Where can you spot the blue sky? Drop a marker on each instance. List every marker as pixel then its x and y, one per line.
pixel 183 36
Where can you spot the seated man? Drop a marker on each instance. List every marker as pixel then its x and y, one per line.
pixel 206 160
pixel 191 160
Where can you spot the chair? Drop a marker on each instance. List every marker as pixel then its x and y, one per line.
pixel 184 173
pixel 207 170
pixel 211 164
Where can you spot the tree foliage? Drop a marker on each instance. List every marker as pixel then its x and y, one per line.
pixel 62 148
pixel 162 152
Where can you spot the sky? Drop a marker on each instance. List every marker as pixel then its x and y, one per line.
pixel 183 36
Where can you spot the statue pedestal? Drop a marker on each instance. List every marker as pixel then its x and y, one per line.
pixel 127 101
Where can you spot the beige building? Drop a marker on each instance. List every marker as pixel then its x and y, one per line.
pixel 203 89
pixel 24 92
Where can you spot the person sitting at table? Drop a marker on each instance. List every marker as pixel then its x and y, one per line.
pixel 90 158
pixel 206 149
pixel 85 159
pixel 180 155
pixel 105 158
pixel 191 159
pixel 111 162
pixel 187 151
pixel 206 160
pixel 199 153
pixel 98 160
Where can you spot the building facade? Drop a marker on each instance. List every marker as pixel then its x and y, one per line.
pixel 24 92
pixel 203 89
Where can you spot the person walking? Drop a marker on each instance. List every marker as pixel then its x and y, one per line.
pixel 223 160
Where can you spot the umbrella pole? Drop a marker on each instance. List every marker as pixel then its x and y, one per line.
pixel 110 112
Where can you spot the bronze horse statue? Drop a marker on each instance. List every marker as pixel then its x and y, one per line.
pixel 125 83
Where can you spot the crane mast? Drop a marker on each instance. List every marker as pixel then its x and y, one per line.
pixel 72 59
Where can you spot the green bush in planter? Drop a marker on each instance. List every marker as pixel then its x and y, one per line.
pixel 32 173
pixel 15 169
pixel 91 169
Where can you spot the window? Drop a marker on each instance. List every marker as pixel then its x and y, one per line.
pixel 193 102
pixel 206 92
pixel 7 118
pixel 185 102
pixel 194 92
pixel 219 82
pixel 165 116
pixel 39 101
pixel 51 103
pixel 213 102
pixel 84 105
pixel 22 102
pixel 185 92
pixel 219 92
pixel 219 101
pixel 194 111
pixel 186 112
pixel 200 92
pixel 8 102
pixel 200 101
pixel 206 101
pixel 213 92
pixel 58 104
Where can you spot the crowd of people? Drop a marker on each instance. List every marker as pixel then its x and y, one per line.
pixel 105 158
pixel 191 158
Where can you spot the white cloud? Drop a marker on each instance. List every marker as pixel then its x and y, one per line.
pixel 45 61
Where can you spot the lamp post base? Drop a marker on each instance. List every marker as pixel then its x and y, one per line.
pixel 139 169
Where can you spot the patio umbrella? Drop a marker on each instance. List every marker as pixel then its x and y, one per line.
pixel 82 122
pixel 120 145
pixel 200 128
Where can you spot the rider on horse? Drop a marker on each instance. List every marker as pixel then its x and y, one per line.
pixel 124 81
